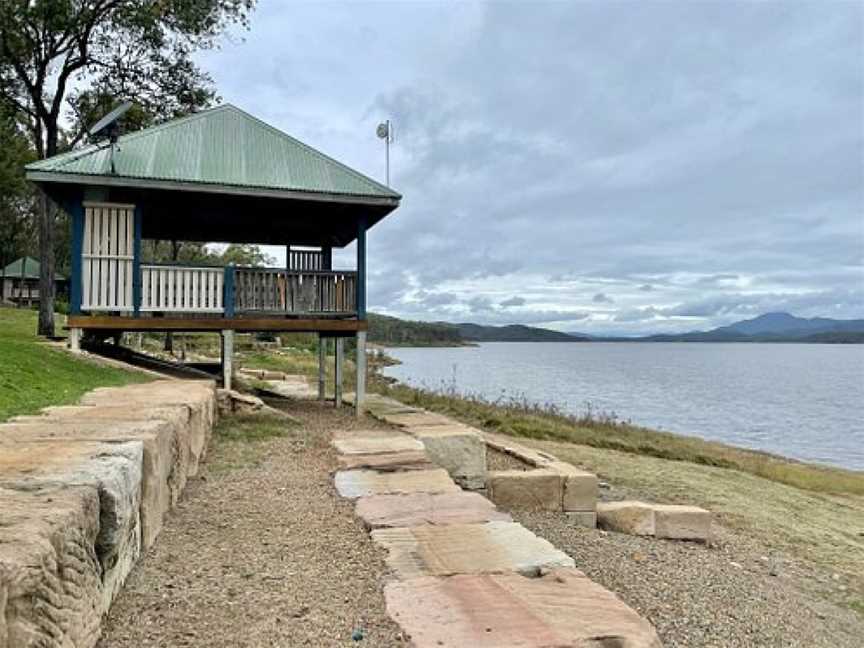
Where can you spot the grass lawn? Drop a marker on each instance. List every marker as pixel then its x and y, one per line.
pixel 34 375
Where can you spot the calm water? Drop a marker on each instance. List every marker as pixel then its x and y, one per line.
pixel 800 400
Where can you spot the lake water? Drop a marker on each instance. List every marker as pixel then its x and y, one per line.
pixel 800 400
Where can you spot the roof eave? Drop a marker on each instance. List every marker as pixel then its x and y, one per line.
pixel 36 175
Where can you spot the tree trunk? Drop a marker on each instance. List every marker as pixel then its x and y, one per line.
pixel 46 267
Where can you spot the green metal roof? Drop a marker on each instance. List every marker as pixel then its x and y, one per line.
pixel 220 147
pixel 30 268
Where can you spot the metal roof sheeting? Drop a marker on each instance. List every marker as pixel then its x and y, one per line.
pixel 30 269
pixel 220 146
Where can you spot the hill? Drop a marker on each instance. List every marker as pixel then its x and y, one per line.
pixel 513 333
pixel 770 327
pixel 392 331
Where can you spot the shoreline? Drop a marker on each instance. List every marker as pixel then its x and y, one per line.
pixel 590 413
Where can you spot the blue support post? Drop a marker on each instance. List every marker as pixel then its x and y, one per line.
pixel 361 268
pixel 76 212
pixel 136 262
pixel 228 291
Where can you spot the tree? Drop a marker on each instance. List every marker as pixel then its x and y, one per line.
pixel 16 194
pixel 58 55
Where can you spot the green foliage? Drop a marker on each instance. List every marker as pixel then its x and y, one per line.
pixel 205 254
pixel 391 331
pixel 34 375
pixel 17 196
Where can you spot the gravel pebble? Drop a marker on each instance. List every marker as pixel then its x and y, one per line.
pixel 697 595
pixel 261 552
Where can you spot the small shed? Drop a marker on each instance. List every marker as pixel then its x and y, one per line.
pixel 19 282
pixel 220 175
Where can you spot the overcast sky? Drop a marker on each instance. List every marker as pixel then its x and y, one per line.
pixel 586 166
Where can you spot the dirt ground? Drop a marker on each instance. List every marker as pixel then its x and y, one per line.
pixel 260 552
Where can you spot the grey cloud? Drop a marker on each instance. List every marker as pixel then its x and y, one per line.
pixel 698 161
pixel 513 301
pixel 602 298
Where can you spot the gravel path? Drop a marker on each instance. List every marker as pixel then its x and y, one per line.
pixel 260 552
pixel 730 594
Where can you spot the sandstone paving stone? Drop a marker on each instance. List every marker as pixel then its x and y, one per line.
pixel 51 592
pixel 467 549
pixel 113 469
pixel 457 448
pixel 165 462
pixel 417 418
pixel 376 445
pixel 561 609
pixel 374 433
pixel 538 489
pixel 387 461
pixel 357 483
pixel 199 396
pixel 382 511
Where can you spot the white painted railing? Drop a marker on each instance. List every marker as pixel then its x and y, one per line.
pixel 180 289
pixel 106 282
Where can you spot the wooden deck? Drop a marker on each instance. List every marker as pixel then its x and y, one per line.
pixel 213 324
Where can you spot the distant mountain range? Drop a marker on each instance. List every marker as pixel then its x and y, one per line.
pixel 770 327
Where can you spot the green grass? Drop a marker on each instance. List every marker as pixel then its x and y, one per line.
pixel 521 419
pixel 252 427
pixel 33 374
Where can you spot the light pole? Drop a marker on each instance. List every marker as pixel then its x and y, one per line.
pixel 386 133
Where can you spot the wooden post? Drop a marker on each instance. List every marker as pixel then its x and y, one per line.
pixel 360 390
pixel 340 357
pixel 227 357
pixel 75 340
pixel 137 224
pixel 322 366
pixel 361 269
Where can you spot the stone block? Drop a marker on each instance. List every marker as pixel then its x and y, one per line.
pixel 50 577
pixel 388 461
pixel 459 449
pixel 358 483
pixel 230 402
pixel 580 487
pixel 492 547
pixel 635 518
pixel 563 608
pixel 679 522
pixel 165 462
pixel 587 519
pixel 198 396
pixel 377 445
pixel 380 511
pixel 415 418
pixel 539 489
pixel 112 469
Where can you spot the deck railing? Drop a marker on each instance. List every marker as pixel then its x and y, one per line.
pixel 290 292
pixel 182 289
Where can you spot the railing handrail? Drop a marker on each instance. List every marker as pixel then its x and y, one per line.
pixel 188 265
pixel 296 272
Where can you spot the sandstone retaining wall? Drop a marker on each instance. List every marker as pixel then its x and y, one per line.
pixel 83 491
